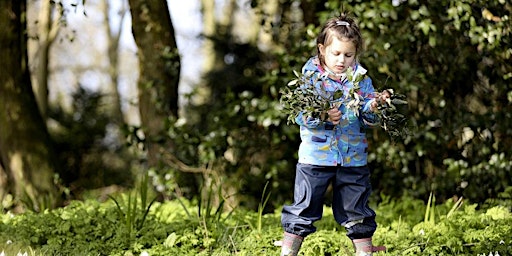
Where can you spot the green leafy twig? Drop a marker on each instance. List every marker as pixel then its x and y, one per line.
pixel 355 100
pixel 301 95
pixel 392 114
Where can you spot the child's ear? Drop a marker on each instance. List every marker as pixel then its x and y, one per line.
pixel 321 48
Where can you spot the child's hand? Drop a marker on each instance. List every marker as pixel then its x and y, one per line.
pixel 334 115
pixel 379 100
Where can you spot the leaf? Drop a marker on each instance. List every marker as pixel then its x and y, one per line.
pixel 293 82
pixel 350 73
pixel 398 102
pixel 171 240
pixel 425 26
pixel 358 78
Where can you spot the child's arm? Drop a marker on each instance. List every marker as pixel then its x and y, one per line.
pixel 368 116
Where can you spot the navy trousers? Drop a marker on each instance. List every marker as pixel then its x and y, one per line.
pixel 351 190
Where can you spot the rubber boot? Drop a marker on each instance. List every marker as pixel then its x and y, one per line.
pixel 364 247
pixel 291 244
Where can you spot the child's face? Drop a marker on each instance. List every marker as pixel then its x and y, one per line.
pixel 339 54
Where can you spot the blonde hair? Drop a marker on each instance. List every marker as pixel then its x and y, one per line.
pixel 342 27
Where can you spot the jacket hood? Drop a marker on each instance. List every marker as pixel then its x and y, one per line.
pixel 313 64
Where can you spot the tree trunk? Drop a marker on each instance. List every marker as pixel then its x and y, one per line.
pixel 310 10
pixel 209 28
pixel 113 56
pixel 47 32
pixel 159 72
pixel 26 155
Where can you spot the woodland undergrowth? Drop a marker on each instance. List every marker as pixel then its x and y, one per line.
pixel 131 226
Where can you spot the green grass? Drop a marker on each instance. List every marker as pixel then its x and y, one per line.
pixel 406 227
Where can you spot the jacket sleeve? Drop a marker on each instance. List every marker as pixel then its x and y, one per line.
pixel 368 118
pixel 307 121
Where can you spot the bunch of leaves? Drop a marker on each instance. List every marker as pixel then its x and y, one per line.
pixel 304 95
pixel 300 95
pixel 392 114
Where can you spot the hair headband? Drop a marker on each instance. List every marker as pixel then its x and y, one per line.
pixel 342 23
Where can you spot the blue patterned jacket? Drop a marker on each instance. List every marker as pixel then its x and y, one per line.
pixel 345 144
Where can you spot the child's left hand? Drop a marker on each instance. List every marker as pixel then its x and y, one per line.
pixel 379 100
pixel 334 115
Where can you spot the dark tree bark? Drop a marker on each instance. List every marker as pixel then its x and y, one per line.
pixel 26 153
pixel 159 72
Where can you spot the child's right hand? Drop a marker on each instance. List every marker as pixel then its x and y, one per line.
pixel 380 99
pixel 334 115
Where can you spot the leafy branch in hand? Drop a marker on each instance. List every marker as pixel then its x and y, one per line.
pixel 392 114
pixel 301 95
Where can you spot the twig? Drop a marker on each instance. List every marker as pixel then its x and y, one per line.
pixel 173 161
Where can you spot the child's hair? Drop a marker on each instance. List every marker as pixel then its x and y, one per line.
pixel 342 27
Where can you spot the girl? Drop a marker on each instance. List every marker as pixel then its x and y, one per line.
pixel 335 150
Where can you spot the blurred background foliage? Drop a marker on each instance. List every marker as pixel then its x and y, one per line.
pixel 451 59
pixel 89 155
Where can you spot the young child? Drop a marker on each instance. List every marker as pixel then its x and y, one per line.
pixel 335 150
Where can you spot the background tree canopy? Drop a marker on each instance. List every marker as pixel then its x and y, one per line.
pixel 450 58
